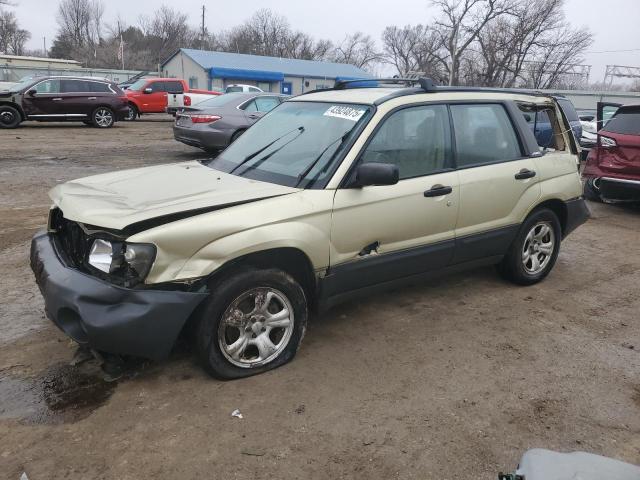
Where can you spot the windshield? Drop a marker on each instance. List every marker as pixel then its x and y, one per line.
pixel 138 85
pixel 22 84
pixel 295 144
pixel 220 100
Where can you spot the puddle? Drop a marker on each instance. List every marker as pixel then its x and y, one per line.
pixel 62 394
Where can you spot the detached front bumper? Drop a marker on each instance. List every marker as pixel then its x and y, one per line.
pixel 142 323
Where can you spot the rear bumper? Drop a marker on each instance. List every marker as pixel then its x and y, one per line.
pixel 619 189
pixel 208 139
pixel 577 214
pixel 142 323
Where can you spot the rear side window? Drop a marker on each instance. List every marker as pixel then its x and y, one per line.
pixel 174 87
pixel 484 134
pixel 569 111
pixel 74 86
pixel 266 104
pixel 416 139
pixel 625 122
pixel 99 87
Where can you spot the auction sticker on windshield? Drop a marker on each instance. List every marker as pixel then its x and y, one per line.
pixel 345 112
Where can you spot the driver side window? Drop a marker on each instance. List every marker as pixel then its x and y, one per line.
pixel 416 139
pixel 48 86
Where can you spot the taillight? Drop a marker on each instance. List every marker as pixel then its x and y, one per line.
pixel 204 118
pixel 187 100
pixel 607 142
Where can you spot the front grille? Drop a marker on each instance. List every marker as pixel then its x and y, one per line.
pixel 71 239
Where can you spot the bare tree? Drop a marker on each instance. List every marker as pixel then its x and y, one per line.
pixel 461 24
pixel 166 31
pixel 12 37
pixel 357 49
pixel 415 48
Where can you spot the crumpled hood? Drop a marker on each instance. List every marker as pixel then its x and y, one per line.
pixel 117 200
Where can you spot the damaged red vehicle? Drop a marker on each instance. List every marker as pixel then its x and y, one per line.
pixel 612 169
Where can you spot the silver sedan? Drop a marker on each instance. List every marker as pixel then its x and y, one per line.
pixel 215 123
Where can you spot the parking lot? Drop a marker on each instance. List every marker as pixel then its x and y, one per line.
pixel 454 378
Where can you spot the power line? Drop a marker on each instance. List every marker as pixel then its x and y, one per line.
pixel 617 51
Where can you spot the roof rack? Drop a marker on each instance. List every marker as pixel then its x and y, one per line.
pixel 425 84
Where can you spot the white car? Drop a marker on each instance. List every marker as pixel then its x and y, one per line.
pixel 242 88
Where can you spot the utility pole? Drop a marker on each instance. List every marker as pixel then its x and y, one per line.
pixel 44 46
pixel 203 29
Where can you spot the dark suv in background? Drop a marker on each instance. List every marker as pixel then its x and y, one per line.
pixel 96 102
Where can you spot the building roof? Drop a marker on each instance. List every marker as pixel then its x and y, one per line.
pixel 38 59
pixel 286 66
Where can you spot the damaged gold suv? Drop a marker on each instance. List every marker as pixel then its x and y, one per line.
pixel 334 193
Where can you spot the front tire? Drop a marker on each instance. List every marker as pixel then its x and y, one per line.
pixel 132 113
pixel 103 117
pixel 534 252
pixel 253 322
pixel 9 117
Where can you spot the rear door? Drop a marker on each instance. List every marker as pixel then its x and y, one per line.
pixel 498 181
pixel 76 97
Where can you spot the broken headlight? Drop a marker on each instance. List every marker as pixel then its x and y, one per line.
pixel 127 262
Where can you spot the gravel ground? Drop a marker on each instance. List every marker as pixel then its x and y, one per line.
pixel 454 378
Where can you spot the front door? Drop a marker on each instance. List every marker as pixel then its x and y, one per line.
pixel 383 233
pixel 44 101
pixel 498 184
pixel 287 88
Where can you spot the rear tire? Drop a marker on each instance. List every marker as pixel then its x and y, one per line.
pixel 591 191
pixel 253 321
pixel 103 117
pixel 9 117
pixel 534 252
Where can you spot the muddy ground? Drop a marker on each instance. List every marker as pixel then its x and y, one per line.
pixel 450 379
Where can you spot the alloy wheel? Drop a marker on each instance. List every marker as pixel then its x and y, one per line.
pixel 538 248
pixel 256 327
pixel 7 117
pixel 103 117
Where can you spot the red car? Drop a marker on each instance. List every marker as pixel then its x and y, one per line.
pixel 149 95
pixel 612 169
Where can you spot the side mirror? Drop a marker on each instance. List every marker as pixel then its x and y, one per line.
pixel 148 90
pixel 32 92
pixel 368 174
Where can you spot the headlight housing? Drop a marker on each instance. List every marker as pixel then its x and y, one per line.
pixel 124 263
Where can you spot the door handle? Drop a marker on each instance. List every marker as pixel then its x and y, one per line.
pixel 92 98
pixel 56 99
pixel 254 115
pixel 438 191
pixel 524 174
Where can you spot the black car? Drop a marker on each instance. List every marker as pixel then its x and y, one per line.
pixel 96 102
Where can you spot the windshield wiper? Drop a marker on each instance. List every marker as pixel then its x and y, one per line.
pixel 258 152
pixel 306 171
pixel 261 160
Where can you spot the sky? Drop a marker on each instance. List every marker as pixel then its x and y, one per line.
pixel 613 22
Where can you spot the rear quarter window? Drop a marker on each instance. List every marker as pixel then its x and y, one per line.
pixel 98 87
pixel 625 122
pixel 569 110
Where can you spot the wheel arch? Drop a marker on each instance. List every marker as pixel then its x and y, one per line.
pixel 288 259
pixel 16 106
pixel 558 207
